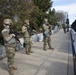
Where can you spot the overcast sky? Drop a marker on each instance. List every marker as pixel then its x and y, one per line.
pixel 66 6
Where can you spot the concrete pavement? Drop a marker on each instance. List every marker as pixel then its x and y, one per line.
pixel 50 62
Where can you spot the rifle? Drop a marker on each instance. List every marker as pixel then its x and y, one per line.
pixel 13 32
pixel 50 32
pixel 47 32
pixel 29 29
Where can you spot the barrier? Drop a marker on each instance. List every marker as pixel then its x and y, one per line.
pixel 73 38
pixel 2 51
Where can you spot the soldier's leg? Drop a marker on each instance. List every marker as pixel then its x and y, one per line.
pixel 26 49
pixel 13 49
pixel 10 61
pixel 29 49
pixel 27 45
pixel 45 43
pixel 10 64
pixel 49 42
pixel 30 43
pixel 13 67
pixel 64 30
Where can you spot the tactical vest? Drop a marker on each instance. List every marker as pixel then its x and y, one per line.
pixel 46 29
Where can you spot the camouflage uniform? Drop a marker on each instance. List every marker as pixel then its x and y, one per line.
pixel 46 33
pixel 10 44
pixel 64 28
pixel 26 33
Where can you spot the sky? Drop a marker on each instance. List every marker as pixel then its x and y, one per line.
pixel 66 6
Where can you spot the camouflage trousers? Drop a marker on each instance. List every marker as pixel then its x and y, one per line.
pixel 47 40
pixel 27 44
pixel 10 53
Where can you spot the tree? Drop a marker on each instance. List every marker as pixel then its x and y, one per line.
pixel 12 7
pixel 43 5
pixel 60 16
pixel 37 17
pixel 19 10
pixel 22 9
pixel 51 16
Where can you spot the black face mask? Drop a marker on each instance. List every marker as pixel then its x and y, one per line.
pixel 7 24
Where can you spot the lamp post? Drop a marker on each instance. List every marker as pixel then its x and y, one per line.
pixel 67 22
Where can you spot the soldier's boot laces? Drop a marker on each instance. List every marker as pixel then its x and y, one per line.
pixel 14 68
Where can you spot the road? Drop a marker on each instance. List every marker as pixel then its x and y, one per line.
pixel 50 62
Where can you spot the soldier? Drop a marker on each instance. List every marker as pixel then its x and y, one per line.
pixel 26 32
pixel 64 28
pixel 10 44
pixel 46 27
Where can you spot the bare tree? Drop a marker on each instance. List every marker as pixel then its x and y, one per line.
pixel 60 16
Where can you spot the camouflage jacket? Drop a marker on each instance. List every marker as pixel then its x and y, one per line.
pixel 46 27
pixel 26 31
pixel 8 39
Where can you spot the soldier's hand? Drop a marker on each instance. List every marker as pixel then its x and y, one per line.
pixel 13 35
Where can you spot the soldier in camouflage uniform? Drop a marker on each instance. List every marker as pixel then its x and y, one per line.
pixel 10 44
pixel 46 27
pixel 64 28
pixel 26 32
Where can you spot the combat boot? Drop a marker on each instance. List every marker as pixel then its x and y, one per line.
pixel 11 71
pixel 44 49
pixel 30 51
pixel 14 68
pixel 27 53
pixel 51 48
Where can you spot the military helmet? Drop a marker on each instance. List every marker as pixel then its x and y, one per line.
pixel 26 21
pixel 45 20
pixel 7 22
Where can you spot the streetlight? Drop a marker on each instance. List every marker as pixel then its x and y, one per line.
pixel 67 22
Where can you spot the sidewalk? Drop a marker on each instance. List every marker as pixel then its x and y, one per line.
pixel 42 62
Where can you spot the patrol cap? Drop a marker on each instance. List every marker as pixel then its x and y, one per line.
pixel 7 22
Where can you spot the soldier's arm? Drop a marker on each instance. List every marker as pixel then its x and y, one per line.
pixel 24 29
pixel 50 27
pixel 45 27
pixel 7 36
